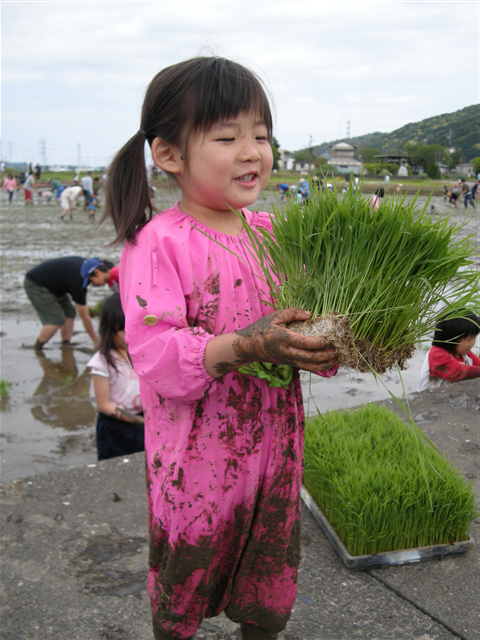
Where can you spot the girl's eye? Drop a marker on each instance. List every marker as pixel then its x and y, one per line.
pixel 262 138
pixel 225 139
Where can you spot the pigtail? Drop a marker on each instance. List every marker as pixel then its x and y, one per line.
pixel 127 200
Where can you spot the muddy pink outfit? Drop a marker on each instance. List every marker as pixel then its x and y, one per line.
pixel 224 456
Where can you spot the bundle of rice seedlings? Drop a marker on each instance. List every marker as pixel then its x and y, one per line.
pixel 373 281
pixel 380 485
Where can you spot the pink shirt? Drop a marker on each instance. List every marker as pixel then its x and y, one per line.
pixel 10 184
pixel 179 289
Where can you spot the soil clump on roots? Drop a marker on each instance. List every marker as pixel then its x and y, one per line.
pixel 352 352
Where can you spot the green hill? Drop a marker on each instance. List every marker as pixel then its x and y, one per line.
pixel 464 125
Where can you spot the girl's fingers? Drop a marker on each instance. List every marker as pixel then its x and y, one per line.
pixel 308 343
pixel 310 360
pixel 284 316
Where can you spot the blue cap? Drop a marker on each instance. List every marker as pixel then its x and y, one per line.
pixel 86 269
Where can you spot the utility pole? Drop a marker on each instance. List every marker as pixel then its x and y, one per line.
pixel 79 157
pixel 348 128
pixel 43 152
pixel 310 149
pixel 10 151
pixel 449 138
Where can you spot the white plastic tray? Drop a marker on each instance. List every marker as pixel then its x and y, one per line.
pixel 386 558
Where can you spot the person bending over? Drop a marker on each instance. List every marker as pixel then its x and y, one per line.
pixel 57 289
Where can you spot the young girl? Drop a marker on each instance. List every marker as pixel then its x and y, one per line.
pixel 224 450
pixel 117 389
pixel 10 184
pixel 450 359
pixel 375 198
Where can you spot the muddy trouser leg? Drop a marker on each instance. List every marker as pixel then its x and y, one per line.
pixel 252 632
pixel 265 582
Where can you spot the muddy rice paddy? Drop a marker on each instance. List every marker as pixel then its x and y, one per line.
pixel 48 418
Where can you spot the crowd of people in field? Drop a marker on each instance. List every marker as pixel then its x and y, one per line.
pixel 461 189
pixel 68 194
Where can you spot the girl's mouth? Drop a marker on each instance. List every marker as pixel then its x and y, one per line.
pixel 247 178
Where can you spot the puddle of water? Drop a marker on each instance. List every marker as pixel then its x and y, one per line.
pixel 48 421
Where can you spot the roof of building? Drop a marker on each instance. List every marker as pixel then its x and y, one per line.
pixel 342 145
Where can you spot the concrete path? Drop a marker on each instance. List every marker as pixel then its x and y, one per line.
pixel 74 557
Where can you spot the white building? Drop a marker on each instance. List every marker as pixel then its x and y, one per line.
pixel 304 166
pixel 464 169
pixel 286 160
pixel 342 158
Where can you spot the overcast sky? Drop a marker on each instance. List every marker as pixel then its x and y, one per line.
pixel 74 73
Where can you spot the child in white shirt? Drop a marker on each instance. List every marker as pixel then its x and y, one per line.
pixel 117 388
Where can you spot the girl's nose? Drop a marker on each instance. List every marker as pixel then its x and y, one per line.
pixel 249 151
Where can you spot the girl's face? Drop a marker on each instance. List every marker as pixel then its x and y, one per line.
pixel 119 340
pixel 227 167
pixel 465 345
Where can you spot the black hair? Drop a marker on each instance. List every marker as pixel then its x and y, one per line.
pixel 186 98
pixel 380 192
pixel 111 321
pixel 105 266
pixel 451 329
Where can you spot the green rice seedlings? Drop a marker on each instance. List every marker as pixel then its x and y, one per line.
pixel 373 280
pixel 363 469
pixel 4 389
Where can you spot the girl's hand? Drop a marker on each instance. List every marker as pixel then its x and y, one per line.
pixel 269 340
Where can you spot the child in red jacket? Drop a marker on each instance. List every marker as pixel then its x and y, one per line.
pixel 450 358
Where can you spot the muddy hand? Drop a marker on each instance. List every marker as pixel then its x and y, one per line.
pixel 269 340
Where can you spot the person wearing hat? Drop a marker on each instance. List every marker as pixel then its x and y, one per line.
pixel 51 287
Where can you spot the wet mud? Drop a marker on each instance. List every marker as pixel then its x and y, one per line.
pixel 48 418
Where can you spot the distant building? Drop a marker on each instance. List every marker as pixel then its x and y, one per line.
pixel 464 169
pixel 286 160
pixel 402 159
pixel 393 158
pixel 342 158
pixel 304 166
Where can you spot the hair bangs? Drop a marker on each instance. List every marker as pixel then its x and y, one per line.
pixel 222 90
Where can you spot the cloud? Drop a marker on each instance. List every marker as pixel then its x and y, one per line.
pixel 378 64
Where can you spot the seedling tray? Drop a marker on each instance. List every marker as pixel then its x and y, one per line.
pixel 384 559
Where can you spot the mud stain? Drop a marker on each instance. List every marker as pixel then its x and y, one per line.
pixel 101 566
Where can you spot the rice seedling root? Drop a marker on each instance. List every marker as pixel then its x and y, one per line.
pixel 353 352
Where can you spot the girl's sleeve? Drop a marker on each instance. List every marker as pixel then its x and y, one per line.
pixel 443 365
pixel 98 365
pixel 167 353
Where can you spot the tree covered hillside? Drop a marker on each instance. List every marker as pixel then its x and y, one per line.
pixel 464 125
